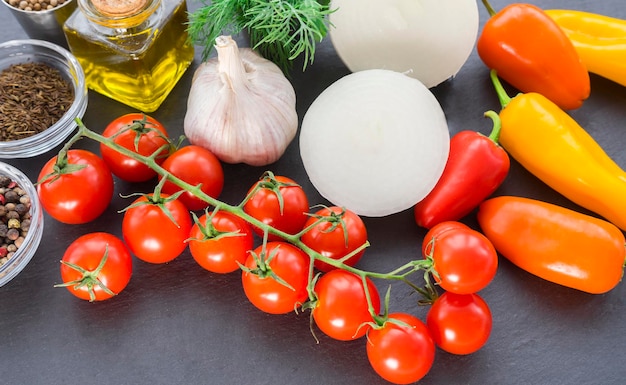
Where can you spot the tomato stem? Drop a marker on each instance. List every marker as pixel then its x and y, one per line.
pixel 89 278
pixel 399 274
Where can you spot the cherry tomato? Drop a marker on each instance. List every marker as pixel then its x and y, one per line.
pixel 341 310
pixel 141 134
pixel 287 214
pixel 341 232
pixel 96 266
pixel 150 234
pixel 75 196
pixel 464 260
pixel 437 230
pixel 195 165
pixel 219 240
pixel 401 354
pixel 279 284
pixel 459 323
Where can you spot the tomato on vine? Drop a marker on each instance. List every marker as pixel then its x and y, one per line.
pixel 141 134
pixel 279 202
pixel 401 350
pixel 464 261
pixel 459 323
pixel 75 187
pixel 341 309
pixel 156 228
pixel 437 230
pixel 220 241
pixel 335 233
pixel 275 277
pixel 96 267
pixel 196 166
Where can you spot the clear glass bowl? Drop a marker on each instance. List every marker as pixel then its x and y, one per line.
pixel 25 252
pixel 31 50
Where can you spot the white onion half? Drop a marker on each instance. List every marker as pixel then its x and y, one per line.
pixel 375 142
pixel 430 38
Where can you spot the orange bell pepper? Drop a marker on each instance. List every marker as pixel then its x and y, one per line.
pixel 599 40
pixel 531 52
pixel 555 243
pixel 556 149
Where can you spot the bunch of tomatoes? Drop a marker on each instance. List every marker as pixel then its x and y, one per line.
pixel 306 260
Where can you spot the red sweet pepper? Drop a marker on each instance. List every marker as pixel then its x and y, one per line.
pixel 476 167
pixel 532 53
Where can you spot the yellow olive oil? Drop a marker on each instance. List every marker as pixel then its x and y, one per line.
pixel 139 64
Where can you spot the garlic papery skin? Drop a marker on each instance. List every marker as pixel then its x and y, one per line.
pixel 241 106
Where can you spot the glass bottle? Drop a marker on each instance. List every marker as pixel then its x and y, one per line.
pixel 133 51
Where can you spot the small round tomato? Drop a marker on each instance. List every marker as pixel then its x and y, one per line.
pixel 96 266
pixel 156 229
pixel 141 134
pixel 459 323
pixel 339 233
pixel 220 241
pixel 403 352
pixel 464 260
pixel 279 202
pixel 437 230
pixel 194 165
pixel 275 278
pixel 341 310
pixel 78 189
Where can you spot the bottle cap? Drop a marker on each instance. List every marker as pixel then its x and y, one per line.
pixel 119 8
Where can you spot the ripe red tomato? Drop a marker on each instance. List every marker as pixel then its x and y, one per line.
pixel 194 165
pixel 341 309
pixel 96 266
pixel 401 354
pixel 287 214
pixel 262 284
pixel 341 232
pixel 437 230
pixel 141 134
pixel 459 323
pixel 75 196
pixel 219 240
pixel 151 234
pixel 464 260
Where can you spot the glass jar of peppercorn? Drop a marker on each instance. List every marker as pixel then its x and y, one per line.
pixel 21 222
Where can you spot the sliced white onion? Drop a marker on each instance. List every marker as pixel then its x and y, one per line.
pixel 375 142
pixel 430 38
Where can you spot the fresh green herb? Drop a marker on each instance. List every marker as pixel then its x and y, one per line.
pixel 280 30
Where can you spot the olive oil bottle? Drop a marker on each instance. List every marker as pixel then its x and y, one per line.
pixel 133 51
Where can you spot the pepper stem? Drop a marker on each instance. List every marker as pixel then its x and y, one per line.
pixel 489 8
pixel 502 95
pixel 497 125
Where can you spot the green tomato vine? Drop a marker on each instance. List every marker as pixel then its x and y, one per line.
pixel 402 273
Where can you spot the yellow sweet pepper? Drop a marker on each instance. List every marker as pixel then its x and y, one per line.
pixel 556 149
pixel 599 40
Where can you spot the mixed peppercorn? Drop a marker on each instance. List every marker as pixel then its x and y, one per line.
pixel 14 217
pixel 35 5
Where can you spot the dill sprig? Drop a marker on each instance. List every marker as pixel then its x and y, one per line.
pixel 280 30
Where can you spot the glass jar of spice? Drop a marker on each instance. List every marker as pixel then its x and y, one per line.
pixel 21 228
pixel 133 51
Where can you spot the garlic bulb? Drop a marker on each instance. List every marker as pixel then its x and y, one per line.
pixel 241 106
